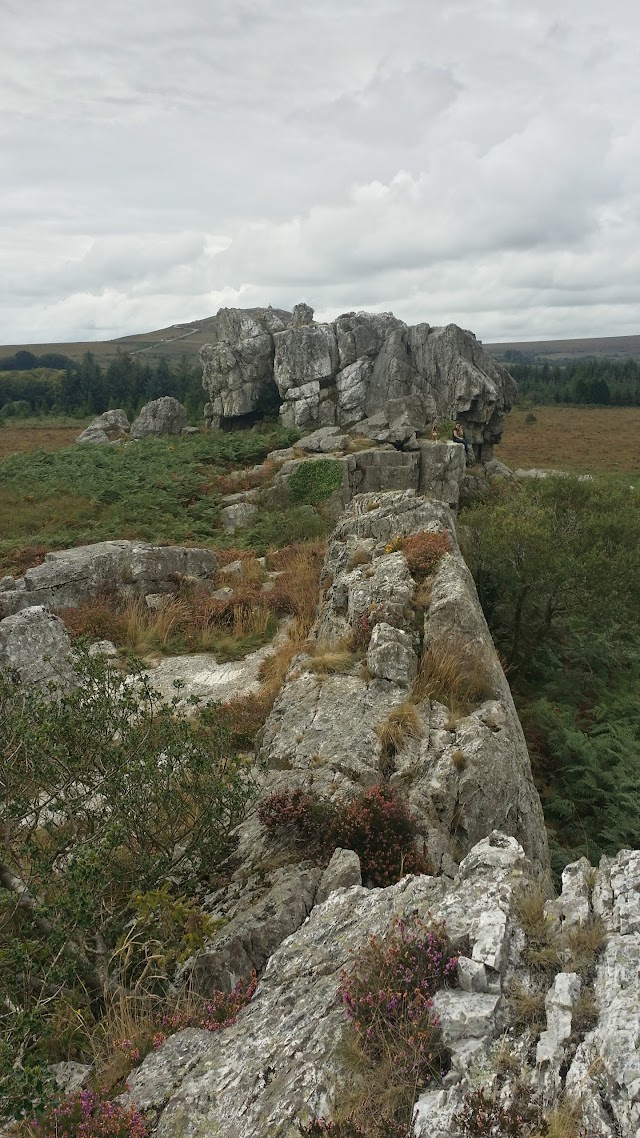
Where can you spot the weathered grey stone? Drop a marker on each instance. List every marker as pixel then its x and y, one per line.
pixel 324 441
pixel 163 416
pixel 106 428
pixel 35 648
pixel 391 656
pixel 238 516
pixel 280 1064
pixel 442 470
pixel 302 314
pixel 247 941
pixel 303 355
pixel 572 907
pixel 200 674
pixel 71 1076
pixel 103 648
pixel 558 1003
pixel 495 470
pixel 68 577
pixel 362 366
pixel 238 364
pixel 342 872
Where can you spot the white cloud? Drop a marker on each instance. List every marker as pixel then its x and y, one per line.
pixel 472 161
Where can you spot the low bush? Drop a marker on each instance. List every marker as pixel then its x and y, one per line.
pixel 486 1114
pixel 376 824
pixel 110 798
pixel 424 551
pixel 85 1114
pixel 315 480
pixel 388 997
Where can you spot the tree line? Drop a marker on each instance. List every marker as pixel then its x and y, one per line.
pixel 601 381
pixel 53 384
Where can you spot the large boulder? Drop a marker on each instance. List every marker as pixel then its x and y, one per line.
pixel 68 577
pixel 238 364
pixel 111 427
pixel 160 417
pixel 35 648
pixel 363 366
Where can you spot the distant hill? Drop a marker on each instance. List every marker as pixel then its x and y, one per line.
pixel 620 347
pixel 187 339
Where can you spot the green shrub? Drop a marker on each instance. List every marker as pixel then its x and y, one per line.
pixel 315 480
pixel 274 528
pixel 118 811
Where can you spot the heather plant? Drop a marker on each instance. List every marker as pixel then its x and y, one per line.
pixel 298 817
pixel 84 1114
pixel 379 827
pixel 424 551
pixel 388 998
pixel 484 1115
pixel 376 824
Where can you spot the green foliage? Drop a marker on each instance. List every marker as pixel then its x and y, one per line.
pixel 111 803
pixel 274 529
pixel 315 480
pixel 557 571
pixel 594 381
pixel 159 490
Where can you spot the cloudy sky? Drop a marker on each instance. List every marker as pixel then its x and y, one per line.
pixel 467 160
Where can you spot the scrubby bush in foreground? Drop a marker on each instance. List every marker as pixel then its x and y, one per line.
pixel 116 812
pixel 376 824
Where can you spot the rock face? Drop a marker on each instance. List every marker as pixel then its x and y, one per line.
pixel 35 648
pixel 363 366
pixel 461 773
pixel 160 417
pixel 323 728
pixel 129 568
pixel 281 1063
pixel 112 426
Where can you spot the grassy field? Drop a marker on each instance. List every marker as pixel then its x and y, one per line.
pixel 585 439
pixel 22 438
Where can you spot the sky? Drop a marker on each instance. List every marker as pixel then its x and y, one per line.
pixel 474 161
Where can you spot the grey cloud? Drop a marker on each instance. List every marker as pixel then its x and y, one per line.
pixel 471 161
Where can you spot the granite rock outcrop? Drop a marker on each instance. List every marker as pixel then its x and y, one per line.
pixel 362 368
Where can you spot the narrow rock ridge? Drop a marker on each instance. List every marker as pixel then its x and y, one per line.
pixel 281 1062
pixel 463 772
pixel 360 366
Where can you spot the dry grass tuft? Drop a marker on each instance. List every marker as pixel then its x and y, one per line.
pixel 422 594
pixel 333 662
pixel 528 1007
pixel 449 674
pixel 583 945
pixel 402 723
pixel 459 760
pixel 358 444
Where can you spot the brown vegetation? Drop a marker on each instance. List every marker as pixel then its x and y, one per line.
pixel 22 439
pixel 583 439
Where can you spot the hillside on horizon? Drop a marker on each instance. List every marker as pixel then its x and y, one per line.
pixel 187 339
